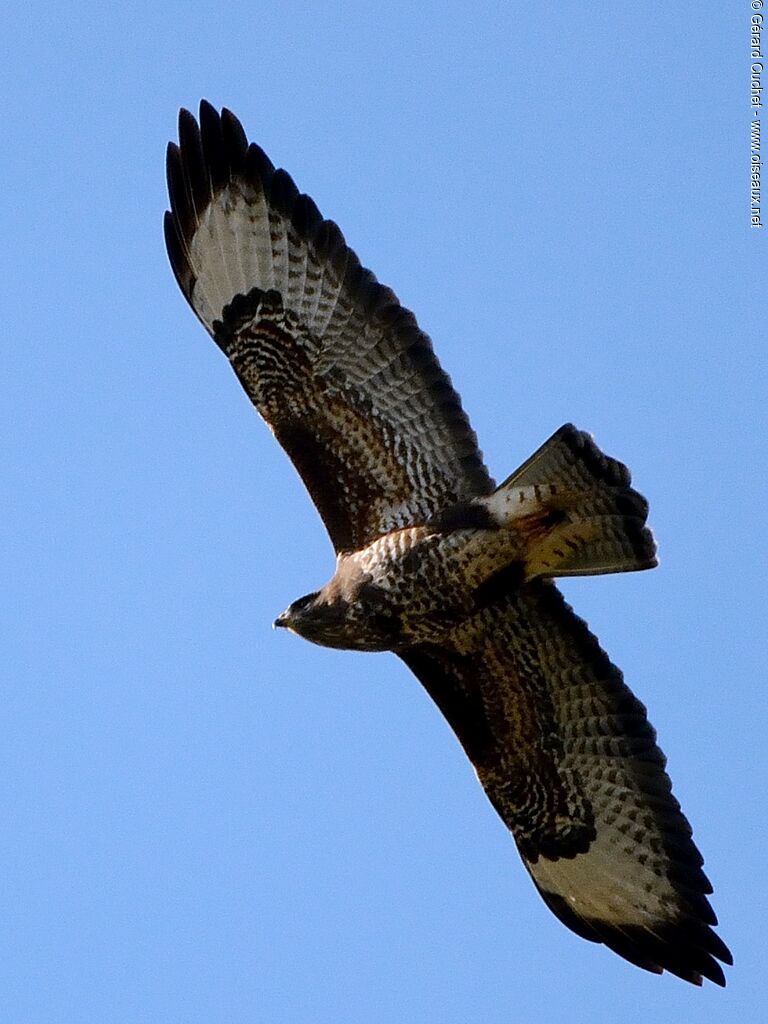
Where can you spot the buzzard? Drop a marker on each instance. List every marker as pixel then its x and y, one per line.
pixel 435 563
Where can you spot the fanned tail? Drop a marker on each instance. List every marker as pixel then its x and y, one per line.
pixel 577 509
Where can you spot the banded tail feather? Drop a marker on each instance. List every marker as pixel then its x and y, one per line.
pixel 577 508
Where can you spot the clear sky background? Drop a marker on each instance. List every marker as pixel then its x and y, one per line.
pixel 205 820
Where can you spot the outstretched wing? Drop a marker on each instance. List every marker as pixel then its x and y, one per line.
pixel 570 762
pixel 339 370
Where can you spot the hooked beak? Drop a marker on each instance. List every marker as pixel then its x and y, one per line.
pixel 281 622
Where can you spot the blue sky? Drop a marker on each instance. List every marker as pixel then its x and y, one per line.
pixel 206 820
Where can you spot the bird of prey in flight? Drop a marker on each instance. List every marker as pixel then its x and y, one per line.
pixel 436 563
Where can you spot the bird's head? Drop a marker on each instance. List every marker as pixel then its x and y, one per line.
pixel 328 619
pixel 316 619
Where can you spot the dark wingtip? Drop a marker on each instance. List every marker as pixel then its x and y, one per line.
pixel 187 121
pixel 207 111
pixel 235 140
pixel 686 947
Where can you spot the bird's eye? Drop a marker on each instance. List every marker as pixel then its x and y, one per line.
pixel 303 602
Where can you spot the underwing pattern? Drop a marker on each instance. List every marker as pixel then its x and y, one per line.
pixel 435 563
